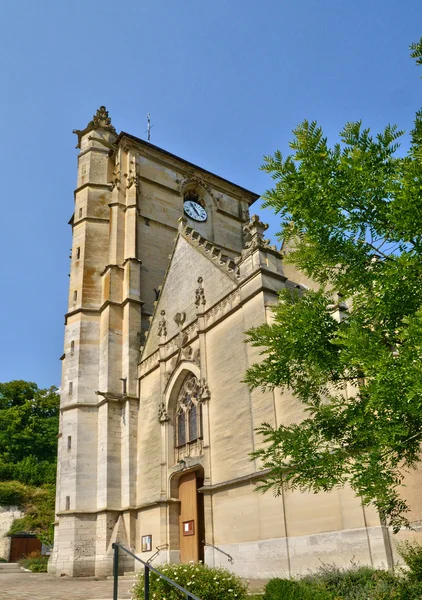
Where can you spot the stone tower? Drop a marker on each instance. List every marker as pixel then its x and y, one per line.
pixel 128 199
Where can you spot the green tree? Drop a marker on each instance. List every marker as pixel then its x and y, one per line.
pixel 29 419
pixel 29 423
pixel 352 221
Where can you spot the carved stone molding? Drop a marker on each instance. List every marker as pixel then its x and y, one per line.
pixel 150 363
pixel 162 325
pixel 193 182
pixel 224 306
pixel 132 178
pixel 200 294
pixel 162 413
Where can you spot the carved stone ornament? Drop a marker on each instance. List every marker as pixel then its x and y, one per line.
pixel 187 353
pixel 101 119
pixel 162 325
pixel 179 318
pixel 254 234
pixel 116 174
pixel 132 178
pixel 162 413
pixel 194 182
pixel 199 293
pixel 197 388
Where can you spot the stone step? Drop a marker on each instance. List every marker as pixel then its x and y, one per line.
pixel 11 568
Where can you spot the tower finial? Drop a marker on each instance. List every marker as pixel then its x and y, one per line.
pixel 102 119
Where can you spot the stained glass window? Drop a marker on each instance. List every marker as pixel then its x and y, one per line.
pixel 181 428
pixel 188 412
pixel 193 423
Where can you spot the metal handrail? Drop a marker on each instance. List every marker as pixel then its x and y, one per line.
pixel 147 568
pixel 229 558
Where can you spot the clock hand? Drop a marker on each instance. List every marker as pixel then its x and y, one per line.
pixel 195 209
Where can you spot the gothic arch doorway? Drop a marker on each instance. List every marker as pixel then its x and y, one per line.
pixel 191 516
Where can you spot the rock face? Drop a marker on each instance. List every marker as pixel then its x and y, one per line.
pixel 7 515
pixel 167 273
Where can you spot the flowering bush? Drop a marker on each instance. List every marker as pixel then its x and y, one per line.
pixel 35 562
pixel 205 582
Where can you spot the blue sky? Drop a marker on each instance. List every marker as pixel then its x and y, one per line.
pixel 225 83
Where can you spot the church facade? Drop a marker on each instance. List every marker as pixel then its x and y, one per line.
pixel 168 271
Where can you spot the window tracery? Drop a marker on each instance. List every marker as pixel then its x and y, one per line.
pixel 188 412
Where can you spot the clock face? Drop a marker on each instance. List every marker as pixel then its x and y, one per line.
pixel 194 210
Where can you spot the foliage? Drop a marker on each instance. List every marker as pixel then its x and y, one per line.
pixel 35 562
pixel 352 222
pixel 13 493
pixel 290 589
pixel 411 553
pixel 203 581
pixel 39 509
pixel 30 471
pixel 28 423
pixel 333 583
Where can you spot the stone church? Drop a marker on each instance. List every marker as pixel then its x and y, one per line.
pixel 168 271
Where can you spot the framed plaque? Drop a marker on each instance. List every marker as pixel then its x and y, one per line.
pixel 146 543
pixel 188 527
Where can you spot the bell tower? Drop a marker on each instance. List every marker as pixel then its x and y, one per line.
pixel 129 197
pixel 102 324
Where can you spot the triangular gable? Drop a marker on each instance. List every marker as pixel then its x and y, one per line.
pixel 188 262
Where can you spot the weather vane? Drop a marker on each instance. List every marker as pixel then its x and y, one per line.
pixel 149 127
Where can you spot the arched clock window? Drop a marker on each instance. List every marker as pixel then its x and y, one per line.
pixel 188 412
pixel 193 206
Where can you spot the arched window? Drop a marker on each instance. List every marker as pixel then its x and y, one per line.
pixel 193 423
pixel 188 412
pixel 193 195
pixel 181 428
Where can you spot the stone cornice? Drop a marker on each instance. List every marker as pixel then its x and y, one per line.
pixel 231 215
pixel 89 219
pixel 109 398
pixel 93 149
pixel 186 168
pixel 121 304
pixel 237 481
pixel 80 310
pixel 144 506
pixel 92 185
pixel 163 186
pixel 110 267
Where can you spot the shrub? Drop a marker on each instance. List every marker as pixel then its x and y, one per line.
pixel 411 553
pixel 290 589
pixel 35 562
pixel 39 512
pixel 334 583
pixel 203 581
pixel 353 583
pixel 12 493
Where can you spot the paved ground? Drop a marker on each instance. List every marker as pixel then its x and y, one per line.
pixel 40 586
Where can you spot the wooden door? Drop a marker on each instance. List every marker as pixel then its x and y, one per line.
pixel 21 546
pixel 188 519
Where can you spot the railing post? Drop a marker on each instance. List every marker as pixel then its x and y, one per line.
pixel 146 583
pixel 115 571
